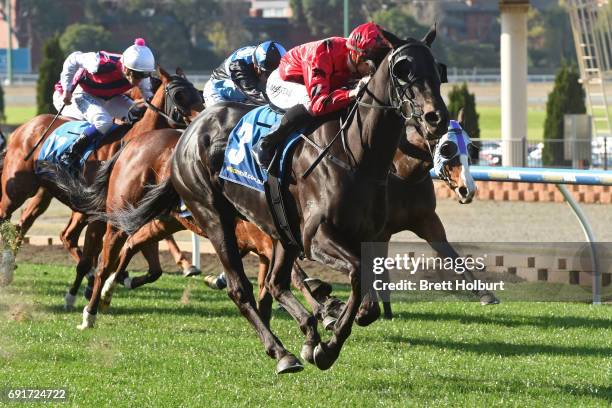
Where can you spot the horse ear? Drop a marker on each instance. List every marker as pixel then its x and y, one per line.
pixel 460 117
pixel 163 74
pixel 431 35
pixel 180 72
pixel 392 38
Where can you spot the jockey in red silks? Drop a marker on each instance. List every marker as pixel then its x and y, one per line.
pixel 312 80
pixel 92 87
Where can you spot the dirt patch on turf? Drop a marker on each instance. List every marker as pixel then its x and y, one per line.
pixel 57 255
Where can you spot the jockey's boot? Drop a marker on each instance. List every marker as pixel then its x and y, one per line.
pixel 296 117
pixel 72 156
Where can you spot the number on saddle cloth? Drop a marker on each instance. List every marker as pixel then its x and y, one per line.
pixel 239 165
pixel 63 137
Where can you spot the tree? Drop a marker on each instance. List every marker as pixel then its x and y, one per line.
pixel 86 37
pixel 48 74
pixel 324 17
pixel 461 98
pixel 567 97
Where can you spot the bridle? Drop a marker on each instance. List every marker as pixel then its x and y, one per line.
pixel 173 112
pixel 400 95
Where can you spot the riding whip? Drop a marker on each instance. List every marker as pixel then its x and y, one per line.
pixel 42 137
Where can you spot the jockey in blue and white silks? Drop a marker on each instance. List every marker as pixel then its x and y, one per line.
pixel 243 75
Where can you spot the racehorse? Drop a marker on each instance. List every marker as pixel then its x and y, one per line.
pixel 69 236
pixel 333 209
pixel 20 181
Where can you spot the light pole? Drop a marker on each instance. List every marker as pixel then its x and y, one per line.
pixel 9 47
pixel 346 18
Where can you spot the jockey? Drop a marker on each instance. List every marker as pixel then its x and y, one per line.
pixel 312 81
pixel 242 77
pixel 96 82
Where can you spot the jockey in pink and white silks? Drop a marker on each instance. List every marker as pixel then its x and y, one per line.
pixel 92 87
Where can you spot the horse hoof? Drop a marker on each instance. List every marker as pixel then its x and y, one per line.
pixel 88 320
pixel 324 357
pixel 289 364
pixel 488 299
pixel 191 271
pixel 329 322
pixel 367 316
pixel 307 353
pixel 69 301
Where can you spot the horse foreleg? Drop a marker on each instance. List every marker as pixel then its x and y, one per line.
pixel 220 227
pixel 112 243
pixel 432 230
pixel 329 248
pixel 70 235
pixel 278 282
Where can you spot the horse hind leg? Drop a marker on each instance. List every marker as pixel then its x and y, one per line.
pixel 70 235
pixel 34 208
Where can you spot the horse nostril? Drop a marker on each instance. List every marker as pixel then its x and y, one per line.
pixel 463 191
pixel 433 118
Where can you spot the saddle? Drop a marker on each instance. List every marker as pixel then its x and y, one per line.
pixel 65 135
pixel 239 166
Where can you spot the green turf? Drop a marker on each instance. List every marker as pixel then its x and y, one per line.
pixel 490 122
pixel 16 115
pixel 156 350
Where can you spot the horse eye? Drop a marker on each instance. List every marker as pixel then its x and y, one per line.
pixel 448 150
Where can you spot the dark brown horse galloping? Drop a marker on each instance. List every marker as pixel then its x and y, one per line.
pixel 334 209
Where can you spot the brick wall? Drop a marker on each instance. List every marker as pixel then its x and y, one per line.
pixel 514 191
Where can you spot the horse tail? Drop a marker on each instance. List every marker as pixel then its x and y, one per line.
pixel 81 197
pixel 93 197
pixel 159 200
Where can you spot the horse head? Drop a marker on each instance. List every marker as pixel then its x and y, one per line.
pixel 452 161
pixel 181 100
pixel 416 77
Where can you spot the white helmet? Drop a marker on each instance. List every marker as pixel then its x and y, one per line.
pixel 138 57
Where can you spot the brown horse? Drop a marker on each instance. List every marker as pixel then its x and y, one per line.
pixel 69 236
pixel 333 210
pixel 20 181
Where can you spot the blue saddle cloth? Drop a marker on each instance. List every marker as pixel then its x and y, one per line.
pixel 239 165
pixel 62 138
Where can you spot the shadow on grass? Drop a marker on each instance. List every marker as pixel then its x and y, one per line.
pixel 511 320
pixel 498 348
pixel 484 385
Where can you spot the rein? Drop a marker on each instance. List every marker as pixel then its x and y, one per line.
pixel 400 93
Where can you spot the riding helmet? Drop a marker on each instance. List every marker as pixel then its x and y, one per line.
pixel 267 55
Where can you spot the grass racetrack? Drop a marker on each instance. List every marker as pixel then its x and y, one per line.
pixel 178 343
